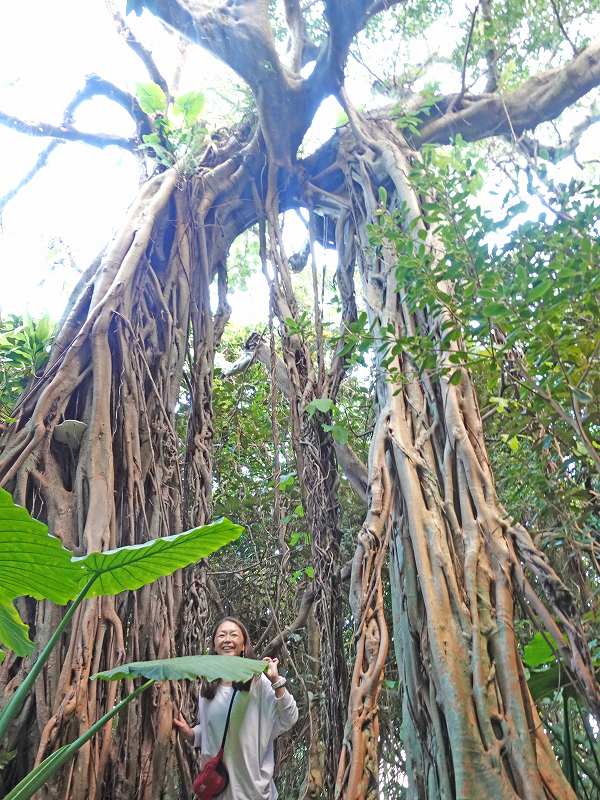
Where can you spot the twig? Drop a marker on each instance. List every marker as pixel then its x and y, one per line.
pixel 562 27
pixel 138 48
pixel 94 86
pixel 463 74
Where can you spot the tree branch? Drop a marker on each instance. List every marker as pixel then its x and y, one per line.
pixel 353 468
pixel 556 153
pixel 141 52
pixel 463 78
pixel 301 48
pixel 345 18
pixel 41 162
pixel 491 54
pixel 94 87
pixel 66 133
pixel 537 100
pixel 239 33
pixel 301 618
pixel 561 27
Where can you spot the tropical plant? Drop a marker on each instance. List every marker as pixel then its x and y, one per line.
pixel 36 564
pixel 177 137
pixel 231 668
pixel 24 348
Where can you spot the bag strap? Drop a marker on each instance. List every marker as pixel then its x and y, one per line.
pixel 227 722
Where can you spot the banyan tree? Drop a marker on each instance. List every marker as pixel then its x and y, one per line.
pixel 94 450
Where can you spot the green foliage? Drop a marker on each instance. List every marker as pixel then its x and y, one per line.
pixel 24 348
pixel 322 404
pixel 190 106
pixel 13 631
pixel 32 562
pixel 151 97
pixel 243 261
pixel 524 306
pixel 178 137
pixel 410 20
pixel 228 668
pixel 410 122
pixel 131 567
pixel 356 340
pixel 522 34
pixel 326 406
pixel 539 651
pixel 36 564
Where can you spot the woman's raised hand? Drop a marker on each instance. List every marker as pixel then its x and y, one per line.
pixel 181 725
pixel 272 672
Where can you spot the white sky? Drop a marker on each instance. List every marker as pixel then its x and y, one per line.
pixel 76 202
pixel 71 208
pixel 46 49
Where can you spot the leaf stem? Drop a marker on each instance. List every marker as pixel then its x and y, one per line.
pixel 13 707
pixel 39 776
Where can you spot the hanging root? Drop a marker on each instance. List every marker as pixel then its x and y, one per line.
pixel 358 769
pixel 95 452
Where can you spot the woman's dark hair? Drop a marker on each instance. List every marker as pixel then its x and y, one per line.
pixel 208 689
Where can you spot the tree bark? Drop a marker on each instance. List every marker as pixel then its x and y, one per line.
pixel 470 725
pixel 116 368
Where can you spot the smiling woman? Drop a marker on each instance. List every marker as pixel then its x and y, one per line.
pixel 259 710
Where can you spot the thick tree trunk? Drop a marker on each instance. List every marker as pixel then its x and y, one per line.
pixel 470 726
pixel 113 378
pixel 94 451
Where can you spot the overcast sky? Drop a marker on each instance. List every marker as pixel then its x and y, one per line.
pixel 72 207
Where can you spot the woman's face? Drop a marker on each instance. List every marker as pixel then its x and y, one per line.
pixel 229 640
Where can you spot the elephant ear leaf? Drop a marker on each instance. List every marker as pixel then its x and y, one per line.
pixel 228 668
pixel 129 568
pixel 14 634
pixel 32 562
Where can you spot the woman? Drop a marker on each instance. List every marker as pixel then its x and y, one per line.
pixel 262 709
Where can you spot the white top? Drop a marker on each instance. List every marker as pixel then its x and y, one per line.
pixel 257 718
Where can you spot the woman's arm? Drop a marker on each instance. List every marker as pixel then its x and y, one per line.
pixel 180 724
pixel 285 710
pixel 285 713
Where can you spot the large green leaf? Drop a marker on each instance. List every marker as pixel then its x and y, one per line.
pixel 540 650
pixel 151 97
pixel 190 105
pixel 14 634
pixel 32 562
pixel 228 668
pixel 131 567
pixel 545 682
